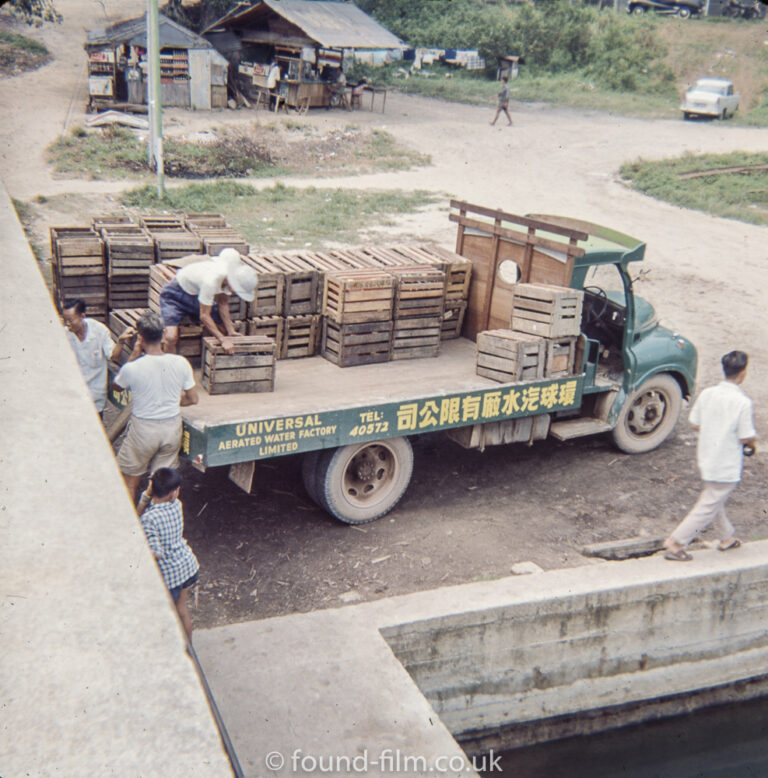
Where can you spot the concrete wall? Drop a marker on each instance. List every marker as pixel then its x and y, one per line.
pixel 94 675
pixel 610 644
pixel 587 648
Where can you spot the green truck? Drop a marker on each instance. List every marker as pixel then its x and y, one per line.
pixel 353 426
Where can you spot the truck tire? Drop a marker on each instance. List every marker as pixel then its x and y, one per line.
pixel 361 482
pixel 309 465
pixel 684 13
pixel 649 415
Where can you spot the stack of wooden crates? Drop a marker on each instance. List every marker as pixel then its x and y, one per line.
pixel 545 325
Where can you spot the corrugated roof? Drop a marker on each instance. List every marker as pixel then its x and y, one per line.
pixel 134 33
pixel 332 25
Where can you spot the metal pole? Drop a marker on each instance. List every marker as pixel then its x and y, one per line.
pixel 156 120
pixel 150 93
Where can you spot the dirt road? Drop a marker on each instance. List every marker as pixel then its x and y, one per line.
pixel 467 515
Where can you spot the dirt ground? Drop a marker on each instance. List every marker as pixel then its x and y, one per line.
pixel 467 515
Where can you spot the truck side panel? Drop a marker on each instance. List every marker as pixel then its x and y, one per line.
pixel 264 438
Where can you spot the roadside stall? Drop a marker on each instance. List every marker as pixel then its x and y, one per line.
pixel 192 73
pixel 310 41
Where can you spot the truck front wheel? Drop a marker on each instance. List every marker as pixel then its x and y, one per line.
pixel 649 415
pixel 361 482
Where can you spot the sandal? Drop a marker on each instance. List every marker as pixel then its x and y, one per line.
pixel 735 543
pixel 678 556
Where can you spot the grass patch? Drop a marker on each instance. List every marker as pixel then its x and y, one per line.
pixel 259 151
pixel 732 195
pixel 110 153
pixel 19 53
pixel 286 217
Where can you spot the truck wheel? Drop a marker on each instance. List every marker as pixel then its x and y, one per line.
pixel 361 482
pixel 649 415
pixel 309 473
pixel 638 10
pixel 684 13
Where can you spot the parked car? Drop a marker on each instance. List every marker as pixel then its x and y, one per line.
pixel 713 97
pixel 682 8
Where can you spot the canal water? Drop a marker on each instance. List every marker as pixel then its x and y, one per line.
pixel 725 741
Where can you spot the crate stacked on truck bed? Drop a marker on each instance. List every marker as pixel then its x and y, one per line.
pixel 215 233
pixel 545 324
pixel 79 270
pixel 357 306
pixel 130 254
pixel 250 369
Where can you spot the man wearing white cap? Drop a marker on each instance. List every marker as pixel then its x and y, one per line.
pixel 197 287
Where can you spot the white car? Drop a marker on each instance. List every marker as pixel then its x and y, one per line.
pixel 712 97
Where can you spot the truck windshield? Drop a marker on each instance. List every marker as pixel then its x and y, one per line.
pixel 608 278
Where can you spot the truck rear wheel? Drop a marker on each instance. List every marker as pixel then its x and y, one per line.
pixel 361 482
pixel 649 415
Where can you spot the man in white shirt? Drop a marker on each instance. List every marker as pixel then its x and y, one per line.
pixel 93 346
pixel 160 384
pixel 723 416
pixel 197 287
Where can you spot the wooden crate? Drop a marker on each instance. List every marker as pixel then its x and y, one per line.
pixel 547 310
pixel 357 296
pixel 457 269
pixel 302 283
pixel 301 335
pixel 215 240
pixel 126 291
pixel 508 356
pixel 270 287
pixel 77 251
pixel 416 337
pixel 119 321
pixel 113 221
pixel 159 276
pixel 128 252
pixel 453 319
pixel 162 221
pixel 561 357
pixel 194 221
pixel 419 292
pixel 175 243
pixel 271 327
pixel 356 344
pixel 250 369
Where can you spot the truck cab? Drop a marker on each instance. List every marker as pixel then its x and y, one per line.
pixel 637 372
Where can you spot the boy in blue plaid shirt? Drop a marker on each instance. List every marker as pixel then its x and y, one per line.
pixel 163 522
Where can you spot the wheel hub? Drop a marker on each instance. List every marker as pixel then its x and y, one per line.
pixel 647 413
pixel 369 472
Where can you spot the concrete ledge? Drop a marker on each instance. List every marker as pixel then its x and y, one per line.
pixel 489 655
pixel 94 676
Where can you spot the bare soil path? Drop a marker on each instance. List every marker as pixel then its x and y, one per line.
pixel 467 515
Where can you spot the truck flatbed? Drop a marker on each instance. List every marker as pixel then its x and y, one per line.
pixel 316 404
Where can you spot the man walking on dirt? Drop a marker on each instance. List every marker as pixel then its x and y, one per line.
pixel 503 102
pixel 723 416
pixel 160 384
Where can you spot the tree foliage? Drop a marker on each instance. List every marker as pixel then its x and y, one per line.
pixel 554 36
pixel 33 11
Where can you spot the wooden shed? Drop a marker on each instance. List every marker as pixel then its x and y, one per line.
pixel 192 73
pixel 308 39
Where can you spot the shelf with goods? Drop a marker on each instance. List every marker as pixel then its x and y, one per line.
pixel 174 65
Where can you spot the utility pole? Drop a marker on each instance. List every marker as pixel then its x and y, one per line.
pixel 154 96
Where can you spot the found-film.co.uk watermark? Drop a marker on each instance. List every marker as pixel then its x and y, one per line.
pixel 388 760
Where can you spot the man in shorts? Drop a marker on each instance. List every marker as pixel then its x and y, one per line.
pixel 502 102
pixel 162 519
pixel 160 384
pixel 199 286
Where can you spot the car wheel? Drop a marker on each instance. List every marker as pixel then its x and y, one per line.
pixel 638 10
pixel 684 13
